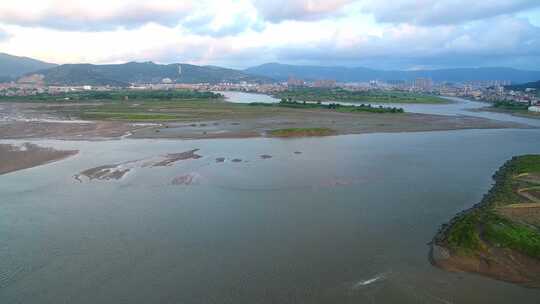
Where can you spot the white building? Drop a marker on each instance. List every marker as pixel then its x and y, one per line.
pixel 534 109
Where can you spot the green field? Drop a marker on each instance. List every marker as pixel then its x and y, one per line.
pixel 372 96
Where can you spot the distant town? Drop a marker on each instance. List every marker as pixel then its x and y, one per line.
pixel 487 91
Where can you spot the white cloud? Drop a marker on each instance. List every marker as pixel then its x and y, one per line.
pixel 92 15
pixel 239 33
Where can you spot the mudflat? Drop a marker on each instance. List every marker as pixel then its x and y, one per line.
pixel 207 119
pixel 28 155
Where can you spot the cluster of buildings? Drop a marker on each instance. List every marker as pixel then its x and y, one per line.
pixel 490 91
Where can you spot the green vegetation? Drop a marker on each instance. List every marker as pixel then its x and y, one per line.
pixel 121 95
pixel 333 106
pixel 339 94
pixel 514 108
pixel 295 132
pixel 485 225
pixel 463 234
pixel 508 105
pixel 505 233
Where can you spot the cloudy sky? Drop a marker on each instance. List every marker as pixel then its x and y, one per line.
pixel 396 34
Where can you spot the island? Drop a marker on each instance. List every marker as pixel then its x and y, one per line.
pixel 193 114
pixel 500 236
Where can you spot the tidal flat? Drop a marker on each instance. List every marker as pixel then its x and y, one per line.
pixel 208 119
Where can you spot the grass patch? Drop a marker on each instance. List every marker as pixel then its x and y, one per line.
pixel 505 233
pixel 297 132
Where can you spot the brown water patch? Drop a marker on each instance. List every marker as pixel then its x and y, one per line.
pixel 185 180
pixel 28 155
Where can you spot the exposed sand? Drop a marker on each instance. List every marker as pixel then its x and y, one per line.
pixel 341 123
pixel 27 155
pixel 119 170
pixel 499 263
pixel 260 123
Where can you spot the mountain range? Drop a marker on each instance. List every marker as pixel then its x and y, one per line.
pixel 13 68
pixel 282 72
pixel 142 72
pixel 522 87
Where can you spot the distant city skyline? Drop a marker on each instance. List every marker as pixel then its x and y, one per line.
pixel 401 34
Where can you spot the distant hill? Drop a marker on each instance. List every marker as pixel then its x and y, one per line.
pixel 345 74
pixel 12 66
pixel 142 72
pixel 523 87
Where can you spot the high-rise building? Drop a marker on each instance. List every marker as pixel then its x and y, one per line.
pixel 330 83
pixel 423 84
pixel 294 82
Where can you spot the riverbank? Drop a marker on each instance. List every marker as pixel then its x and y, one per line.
pixel 518 113
pixel 499 237
pixel 27 155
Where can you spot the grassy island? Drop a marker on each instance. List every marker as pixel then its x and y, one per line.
pixel 500 236
pixel 301 132
pixel 372 96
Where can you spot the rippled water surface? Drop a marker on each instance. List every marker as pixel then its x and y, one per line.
pixel 342 219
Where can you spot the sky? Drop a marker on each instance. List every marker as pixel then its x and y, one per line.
pixel 397 34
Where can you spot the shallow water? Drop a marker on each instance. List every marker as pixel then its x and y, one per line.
pixel 458 106
pixel 346 221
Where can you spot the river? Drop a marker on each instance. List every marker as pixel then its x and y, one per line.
pixel 347 220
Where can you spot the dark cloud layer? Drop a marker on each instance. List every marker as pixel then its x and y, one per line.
pixel 428 12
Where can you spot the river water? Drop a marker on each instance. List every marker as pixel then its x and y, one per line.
pixel 347 220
